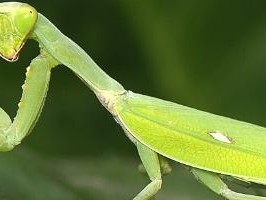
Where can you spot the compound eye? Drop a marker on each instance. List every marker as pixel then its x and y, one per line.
pixel 25 19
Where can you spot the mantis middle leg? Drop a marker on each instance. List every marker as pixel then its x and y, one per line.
pixel 151 163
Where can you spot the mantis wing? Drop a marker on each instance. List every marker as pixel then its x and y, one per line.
pixel 194 137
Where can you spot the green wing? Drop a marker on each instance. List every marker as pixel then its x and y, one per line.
pixel 194 137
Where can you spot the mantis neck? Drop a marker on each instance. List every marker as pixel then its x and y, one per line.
pixel 68 53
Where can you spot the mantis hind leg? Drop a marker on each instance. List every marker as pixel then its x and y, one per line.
pixel 151 163
pixel 215 183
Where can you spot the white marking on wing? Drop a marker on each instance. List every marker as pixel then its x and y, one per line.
pixel 220 137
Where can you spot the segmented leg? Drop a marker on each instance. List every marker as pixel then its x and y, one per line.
pixel 151 163
pixel 215 183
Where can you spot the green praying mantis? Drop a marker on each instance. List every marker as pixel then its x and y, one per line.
pixel 211 146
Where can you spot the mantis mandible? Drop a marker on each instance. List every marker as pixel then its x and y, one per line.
pixel 211 146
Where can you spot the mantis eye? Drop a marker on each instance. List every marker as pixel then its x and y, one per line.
pixel 24 19
pixel 17 21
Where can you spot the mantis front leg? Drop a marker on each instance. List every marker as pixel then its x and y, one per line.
pixel 30 105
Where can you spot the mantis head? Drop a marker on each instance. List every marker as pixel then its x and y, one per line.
pixel 16 23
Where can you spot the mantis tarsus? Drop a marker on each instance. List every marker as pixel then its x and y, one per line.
pixel 210 145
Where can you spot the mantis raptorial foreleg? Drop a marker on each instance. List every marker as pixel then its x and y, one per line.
pixel 31 103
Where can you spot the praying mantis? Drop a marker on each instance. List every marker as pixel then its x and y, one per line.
pixel 210 146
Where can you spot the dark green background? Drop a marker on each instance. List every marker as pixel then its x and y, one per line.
pixel 205 54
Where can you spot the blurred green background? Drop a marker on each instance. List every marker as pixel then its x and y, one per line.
pixel 204 54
